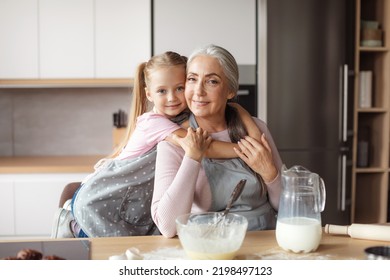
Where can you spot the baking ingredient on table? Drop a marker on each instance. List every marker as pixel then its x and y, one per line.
pixel 222 241
pixel 298 234
pixel 133 254
pixel 278 253
pixel 361 231
pixel 120 257
pixel 216 245
pixel 130 254
pixel 298 226
pixel 166 253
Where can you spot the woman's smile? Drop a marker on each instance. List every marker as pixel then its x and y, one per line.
pixel 200 103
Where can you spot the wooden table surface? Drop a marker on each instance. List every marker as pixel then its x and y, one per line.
pixel 257 245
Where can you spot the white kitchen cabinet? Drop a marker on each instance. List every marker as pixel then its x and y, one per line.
pixel 123 37
pixel 66 33
pixel 73 39
pixel 228 23
pixel 7 223
pixel 33 199
pixel 18 39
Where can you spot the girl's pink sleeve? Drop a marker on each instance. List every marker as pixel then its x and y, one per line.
pixel 158 128
pixel 274 188
pixel 175 187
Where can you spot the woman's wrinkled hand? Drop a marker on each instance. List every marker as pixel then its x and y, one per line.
pixel 258 156
pixel 195 143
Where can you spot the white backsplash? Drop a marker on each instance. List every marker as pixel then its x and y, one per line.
pixel 56 122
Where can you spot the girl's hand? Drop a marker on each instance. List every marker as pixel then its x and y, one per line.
pixel 195 143
pixel 258 156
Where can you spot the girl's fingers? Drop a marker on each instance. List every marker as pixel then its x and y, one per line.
pixel 190 130
pixel 253 146
pixel 265 142
pixel 241 155
pixel 254 143
pixel 246 147
pixel 208 140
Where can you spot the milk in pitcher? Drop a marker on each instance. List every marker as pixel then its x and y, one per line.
pixel 298 234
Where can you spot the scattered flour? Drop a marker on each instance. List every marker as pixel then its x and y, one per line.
pixel 168 253
pixel 177 253
pixel 278 253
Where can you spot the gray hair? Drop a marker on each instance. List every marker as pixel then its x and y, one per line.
pixel 226 60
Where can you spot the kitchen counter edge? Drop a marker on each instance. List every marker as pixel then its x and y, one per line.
pixel 48 164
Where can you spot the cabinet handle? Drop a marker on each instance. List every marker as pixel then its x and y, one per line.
pixel 343 181
pixel 345 102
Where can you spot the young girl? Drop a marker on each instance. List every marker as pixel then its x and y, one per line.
pixel 160 82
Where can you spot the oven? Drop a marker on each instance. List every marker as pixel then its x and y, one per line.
pixel 247 92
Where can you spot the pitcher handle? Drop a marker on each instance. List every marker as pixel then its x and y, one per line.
pixel 322 196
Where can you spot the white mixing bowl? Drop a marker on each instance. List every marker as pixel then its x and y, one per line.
pixel 203 239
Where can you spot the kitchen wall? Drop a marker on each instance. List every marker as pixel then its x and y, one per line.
pixel 55 122
pixel 79 121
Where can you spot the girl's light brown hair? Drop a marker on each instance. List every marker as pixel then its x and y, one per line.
pixel 140 103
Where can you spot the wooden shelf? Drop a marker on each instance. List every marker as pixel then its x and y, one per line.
pixel 373 49
pixel 370 185
pixel 65 83
pixel 371 170
pixel 372 110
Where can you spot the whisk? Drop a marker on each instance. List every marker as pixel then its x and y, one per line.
pixel 233 197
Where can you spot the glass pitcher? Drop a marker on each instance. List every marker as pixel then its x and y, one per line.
pixel 298 227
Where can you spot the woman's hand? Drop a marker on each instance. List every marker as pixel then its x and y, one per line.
pixel 258 156
pixel 195 143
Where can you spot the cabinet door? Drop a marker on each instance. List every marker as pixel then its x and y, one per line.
pixel 19 39
pixel 7 225
pixel 183 25
pixel 66 38
pixel 123 36
pixel 36 200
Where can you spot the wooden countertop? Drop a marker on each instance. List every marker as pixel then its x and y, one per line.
pixel 52 164
pixel 257 245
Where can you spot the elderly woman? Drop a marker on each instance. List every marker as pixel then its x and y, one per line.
pixel 187 182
